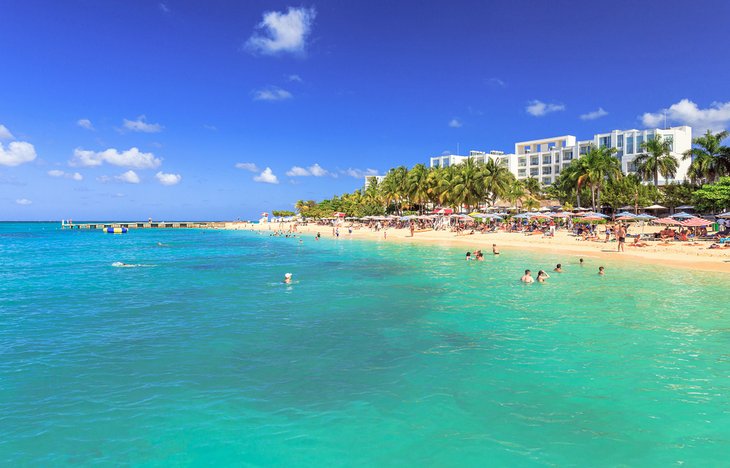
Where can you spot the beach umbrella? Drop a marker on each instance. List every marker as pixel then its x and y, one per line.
pixel 626 218
pixel 696 222
pixel 443 211
pixel 645 217
pixel 592 218
pixel 686 207
pixel 655 207
pixel 627 207
pixel 682 215
pixel 522 216
pixel 626 213
pixel 593 213
pixel 580 208
pixel 725 215
pixel 560 215
pixel 540 216
pixel 668 221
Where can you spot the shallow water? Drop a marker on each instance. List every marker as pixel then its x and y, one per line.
pixel 378 354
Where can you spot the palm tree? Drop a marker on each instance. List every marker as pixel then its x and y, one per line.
pixel 394 187
pixel 417 185
pixel 532 185
pixel 468 184
pixel 656 159
pixel 497 180
pixel 515 192
pixel 709 157
pixel 594 169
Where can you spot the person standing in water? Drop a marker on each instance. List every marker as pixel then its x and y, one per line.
pixel 495 250
pixel 287 278
pixel 527 277
pixel 601 271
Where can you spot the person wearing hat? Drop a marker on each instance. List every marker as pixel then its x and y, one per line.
pixel 287 278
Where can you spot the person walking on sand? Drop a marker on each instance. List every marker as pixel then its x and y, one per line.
pixel 413 229
pixel 621 236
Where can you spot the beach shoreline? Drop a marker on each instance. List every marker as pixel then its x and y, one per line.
pixel 675 255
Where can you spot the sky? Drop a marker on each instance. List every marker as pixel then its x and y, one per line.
pixel 218 110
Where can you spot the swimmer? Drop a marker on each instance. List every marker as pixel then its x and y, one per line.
pixel 558 268
pixel 317 236
pixel 600 271
pixel 527 278
pixel 581 262
pixel 542 276
pixel 287 278
pixel 468 256
pixel 495 250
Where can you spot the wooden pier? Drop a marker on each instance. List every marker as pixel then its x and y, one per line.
pixel 160 225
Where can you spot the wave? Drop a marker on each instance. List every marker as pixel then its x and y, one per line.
pixel 130 265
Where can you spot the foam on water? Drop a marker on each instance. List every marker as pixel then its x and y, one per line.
pixel 379 353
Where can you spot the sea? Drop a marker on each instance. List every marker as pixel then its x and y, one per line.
pixel 183 347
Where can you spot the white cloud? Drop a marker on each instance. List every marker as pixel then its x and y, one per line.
pixel 360 173
pixel 85 123
pixel 23 201
pixel 250 167
pixel 163 8
pixel 685 112
pixel 455 123
pixel 67 175
pixel 296 78
pixel 538 108
pixel 17 153
pixel 314 170
pixel 168 179
pixel 267 177
pixel 129 177
pixel 593 115
pixel 297 171
pixel 496 83
pixel 212 128
pixel 5 133
pixel 271 93
pixel 132 157
pixel 282 32
pixel 140 125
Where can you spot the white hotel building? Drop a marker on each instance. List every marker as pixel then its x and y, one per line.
pixel 543 159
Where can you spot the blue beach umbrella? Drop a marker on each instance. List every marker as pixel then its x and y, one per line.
pixel 645 216
pixel 625 213
pixel 682 215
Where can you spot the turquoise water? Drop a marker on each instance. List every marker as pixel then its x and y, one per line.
pixel 378 354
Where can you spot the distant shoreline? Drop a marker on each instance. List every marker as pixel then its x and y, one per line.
pixel 675 255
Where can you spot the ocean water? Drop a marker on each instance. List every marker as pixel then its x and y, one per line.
pixel 378 354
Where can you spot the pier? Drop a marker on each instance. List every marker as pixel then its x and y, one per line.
pixel 147 225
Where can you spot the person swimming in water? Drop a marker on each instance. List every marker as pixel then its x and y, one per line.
pixel 558 268
pixel 495 250
pixel 542 276
pixel 287 278
pixel 601 271
pixel 527 277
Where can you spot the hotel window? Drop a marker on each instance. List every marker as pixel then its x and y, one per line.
pixel 435 163
pixel 639 142
pixel 547 170
pixel 534 171
pixel 631 167
pixel 527 148
pixel 546 181
pixel 547 159
pixel 535 160
pixel 630 144
pixel 522 162
pixel 620 141
pixel 670 139
pixel 550 146
pixel 567 156
pixel 620 154
pixel 584 149
pixel 521 172
pixel 604 142
pixel 557 169
pixel 446 163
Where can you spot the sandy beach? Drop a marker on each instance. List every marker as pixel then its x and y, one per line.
pixel 675 254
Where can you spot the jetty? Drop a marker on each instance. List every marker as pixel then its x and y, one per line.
pixel 148 225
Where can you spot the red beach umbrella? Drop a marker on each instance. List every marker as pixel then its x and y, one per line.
pixel 695 222
pixel 668 221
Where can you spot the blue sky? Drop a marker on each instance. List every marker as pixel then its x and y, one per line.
pixel 175 109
